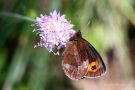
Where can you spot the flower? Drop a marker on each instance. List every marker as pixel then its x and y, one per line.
pixel 53 30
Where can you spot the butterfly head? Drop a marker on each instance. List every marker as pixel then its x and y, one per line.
pixel 76 36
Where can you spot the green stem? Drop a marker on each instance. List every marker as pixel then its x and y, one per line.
pixel 17 16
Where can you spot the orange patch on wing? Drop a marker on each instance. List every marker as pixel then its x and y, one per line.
pixel 93 66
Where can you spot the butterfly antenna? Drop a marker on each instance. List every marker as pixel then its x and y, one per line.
pixel 84 28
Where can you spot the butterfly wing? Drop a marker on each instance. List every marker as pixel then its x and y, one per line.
pixel 74 63
pixel 96 65
pixel 80 59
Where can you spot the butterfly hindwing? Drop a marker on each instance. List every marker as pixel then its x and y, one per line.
pixel 75 63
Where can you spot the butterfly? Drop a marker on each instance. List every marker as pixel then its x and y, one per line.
pixel 81 60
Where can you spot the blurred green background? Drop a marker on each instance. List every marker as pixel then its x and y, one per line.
pixel 111 31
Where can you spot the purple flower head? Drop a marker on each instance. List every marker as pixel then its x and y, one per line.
pixel 53 30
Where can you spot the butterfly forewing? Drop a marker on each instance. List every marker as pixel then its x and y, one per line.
pixel 96 65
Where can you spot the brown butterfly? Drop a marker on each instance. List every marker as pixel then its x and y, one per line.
pixel 80 59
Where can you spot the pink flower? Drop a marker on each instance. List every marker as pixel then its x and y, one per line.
pixel 53 30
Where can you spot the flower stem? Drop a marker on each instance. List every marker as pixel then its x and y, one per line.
pixel 17 16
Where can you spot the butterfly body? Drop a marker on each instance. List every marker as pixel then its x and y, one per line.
pixel 80 59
